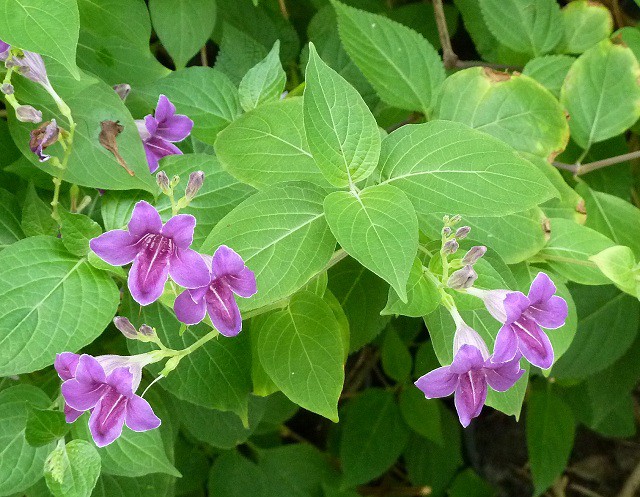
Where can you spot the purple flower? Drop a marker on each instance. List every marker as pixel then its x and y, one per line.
pixel 106 386
pixel 160 132
pixel 29 114
pixel 157 251
pixel 469 374
pixel 42 137
pixel 4 50
pixel 229 275
pixel 29 64
pixel 523 318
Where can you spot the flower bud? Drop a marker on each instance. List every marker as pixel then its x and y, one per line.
pixel 125 327
pixel 28 114
pixel 450 247
pixel 7 89
pixel 196 180
pixel 174 181
pixel 474 253
pixel 122 90
pixel 462 232
pixel 163 182
pixel 42 137
pixel 446 231
pixel 455 219
pixel 462 278
pixel 147 330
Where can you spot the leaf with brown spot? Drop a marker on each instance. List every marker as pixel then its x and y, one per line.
pixel 108 135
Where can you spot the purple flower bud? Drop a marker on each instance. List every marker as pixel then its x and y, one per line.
pixel 462 278
pixel 455 219
pixel 31 66
pixel 122 90
pixel 28 114
pixel 147 330
pixel 126 328
pixel 163 181
pixel 462 232
pixel 450 247
pixel 474 254
pixel 7 89
pixel 196 180
pixel 446 231
pixel 42 137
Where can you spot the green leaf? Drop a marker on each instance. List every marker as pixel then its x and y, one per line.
pixel 585 24
pixel 549 71
pixel 219 194
pixel 72 470
pixel 10 226
pixel 114 42
pixel 618 263
pixel 90 164
pixel 44 426
pixel 20 464
pixel 362 296
pixel 216 376
pixel 379 228
pixel 569 249
pixel 396 358
pixel 469 484
pixel 158 485
pixel 423 295
pixel 283 224
pixel 47 27
pixel 44 307
pixel 116 207
pixel 409 79
pixel 233 475
pixel 342 133
pixel 550 433
pixel 601 93
pixel 183 26
pixel 133 454
pixel 264 82
pixel 238 53
pixel 268 146
pixel 300 348
pixel 530 28
pixel 76 231
pixel 607 325
pixel 422 414
pixel 36 215
pixel 448 167
pixel 514 108
pixel 373 436
pixel 206 95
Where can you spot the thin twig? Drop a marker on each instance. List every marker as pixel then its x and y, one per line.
pixel 464 64
pixel 204 60
pixel 396 491
pixel 283 9
pixel 449 57
pixel 632 484
pixel 583 490
pixel 414 117
pixel 580 169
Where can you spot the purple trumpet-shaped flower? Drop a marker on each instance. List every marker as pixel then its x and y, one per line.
pixel 106 386
pixel 523 318
pixel 29 64
pixel 469 374
pixel 160 132
pixel 42 137
pixel 157 251
pixel 229 275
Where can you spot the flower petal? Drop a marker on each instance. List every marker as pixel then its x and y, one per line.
pixel 180 229
pixel 116 247
pixel 82 396
pixel 70 414
pixel 89 370
pixel 151 124
pixel 226 261
pixel 188 269
pixel 506 346
pixel 66 364
pixel 501 377
pixel 164 108
pixel 466 359
pixel 175 128
pixel 144 220
pixel 440 382
pixel 551 314
pixel 244 283
pixel 140 415
pixel 223 310
pixel 147 278
pixel 156 148
pixel 107 419
pixel 143 131
pixel 542 289
pixel 471 394
pixel 534 343
pixel 121 380
pixel 189 311
pixel 515 303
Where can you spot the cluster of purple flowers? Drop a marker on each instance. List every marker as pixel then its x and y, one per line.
pixel 521 335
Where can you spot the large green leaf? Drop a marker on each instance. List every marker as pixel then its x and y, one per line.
pixel 47 27
pixel 10 228
pixel 410 78
pixel 448 167
pixel 602 93
pixel 342 133
pixel 238 53
pixel 619 265
pixel 514 108
pixel 44 426
pixel 44 307
pixel 72 470
pixel 282 236
pixel 550 433
pixel 158 485
pixel 20 464
pixel 90 164
pixel 549 71
pixel 423 295
pixel 206 95
pixel 585 24
pixel 264 82
pixel 268 146
pixel 379 228
pixel 183 26
pixel 114 42
pixel 373 436
pixel 526 27
pixel 301 350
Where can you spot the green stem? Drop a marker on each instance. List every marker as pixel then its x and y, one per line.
pixel 298 90
pixel 57 180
